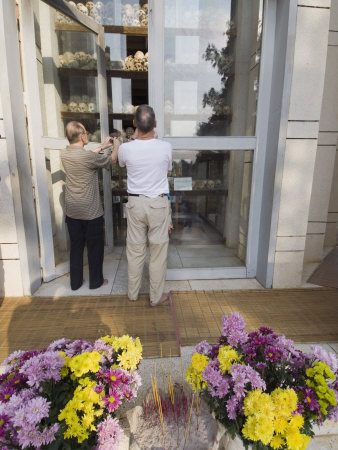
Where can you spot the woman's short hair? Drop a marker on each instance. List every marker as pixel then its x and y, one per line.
pixel 145 118
pixel 73 131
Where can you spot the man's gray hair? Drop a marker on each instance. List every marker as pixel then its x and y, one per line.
pixel 145 118
pixel 73 131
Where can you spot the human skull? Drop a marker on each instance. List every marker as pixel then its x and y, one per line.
pixel 127 108
pixel 81 7
pixel 62 62
pixel 83 107
pixel 81 57
pixel 85 98
pixel 138 65
pixel 127 20
pixel 128 10
pixel 129 63
pixel 99 6
pixel 64 107
pixel 91 107
pixel 139 55
pixel 73 107
pixel 129 132
pixel 90 7
pixel 72 4
pixel 210 184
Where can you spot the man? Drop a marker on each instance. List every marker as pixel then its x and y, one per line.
pixel 148 212
pixel 84 212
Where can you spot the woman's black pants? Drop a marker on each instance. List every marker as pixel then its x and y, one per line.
pixel 82 232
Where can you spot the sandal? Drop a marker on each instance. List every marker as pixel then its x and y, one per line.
pixel 163 299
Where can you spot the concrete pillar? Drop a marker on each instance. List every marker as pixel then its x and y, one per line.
pixel 323 216
pixel 302 138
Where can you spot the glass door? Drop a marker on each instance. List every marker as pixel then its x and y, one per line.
pixel 205 62
pixel 68 68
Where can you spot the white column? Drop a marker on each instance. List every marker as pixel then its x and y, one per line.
pixel 18 178
pixel 301 144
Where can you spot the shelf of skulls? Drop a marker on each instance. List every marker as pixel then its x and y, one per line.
pixel 121 116
pixel 65 72
pixel 103 13
pixel 79 115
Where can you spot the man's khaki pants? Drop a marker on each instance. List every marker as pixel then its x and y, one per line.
pixel 148 219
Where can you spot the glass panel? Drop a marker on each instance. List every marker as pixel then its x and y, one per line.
pixel 67 72
pixel 211 67
pixel 56 179
pixel 116 12
pixel 210 200
pixel 126 51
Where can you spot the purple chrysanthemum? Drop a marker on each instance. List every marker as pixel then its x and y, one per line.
pixel 328 357
pixel 32 412
pixel 233 329
pixel 203 348
pixel 232 405
pixel 109 434
pixel 77 347
pixel 58 345
pixel 44 366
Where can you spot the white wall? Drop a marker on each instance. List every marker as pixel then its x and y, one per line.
pixel 10 271
pixel 299 168
pixel 323 215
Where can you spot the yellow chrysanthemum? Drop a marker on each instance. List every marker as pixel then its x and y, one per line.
pixel 294 439
pixel 84 363
pixel 297 421
pixel 280 424
pixel 277 442
pixel 227 356
pixel 194 371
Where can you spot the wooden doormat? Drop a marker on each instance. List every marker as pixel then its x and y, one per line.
pixel 303 315
pixel 34 322
pixel 326 273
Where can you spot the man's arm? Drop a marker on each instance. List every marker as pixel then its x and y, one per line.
pixel 106 144
pixel 116 145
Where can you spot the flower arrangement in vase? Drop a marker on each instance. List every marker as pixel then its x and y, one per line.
pixel 67 395
pixel 262 389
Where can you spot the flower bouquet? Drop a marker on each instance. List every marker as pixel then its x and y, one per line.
pixel 262 389
pixel 66 396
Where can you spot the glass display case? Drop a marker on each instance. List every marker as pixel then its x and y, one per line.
pixel 77 73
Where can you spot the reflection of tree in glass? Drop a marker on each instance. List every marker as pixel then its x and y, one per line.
pixel 222 60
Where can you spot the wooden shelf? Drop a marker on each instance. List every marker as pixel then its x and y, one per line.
pixel 70 27
pixel 121 116
pixel 120 29
pixel 79 115
pixel 133 74
pixel 65 72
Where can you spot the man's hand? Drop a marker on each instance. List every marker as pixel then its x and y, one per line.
pixel 108 142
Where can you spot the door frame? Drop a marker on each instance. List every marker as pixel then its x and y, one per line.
pixel 257 143
pixel 38 142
